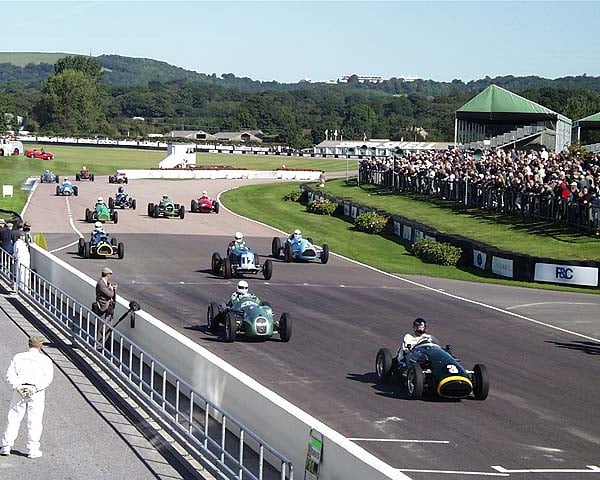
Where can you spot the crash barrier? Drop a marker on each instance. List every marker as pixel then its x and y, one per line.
pixel 278 422
pixel 223 174
pixel 200 425
pixel 515 266
pixel 499 199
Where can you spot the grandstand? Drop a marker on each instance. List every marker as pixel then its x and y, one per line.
pixel 499 118
pixel 587 124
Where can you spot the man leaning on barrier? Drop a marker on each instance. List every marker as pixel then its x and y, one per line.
pixel 104 306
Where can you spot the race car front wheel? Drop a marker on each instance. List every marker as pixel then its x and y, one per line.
pixel 383 365
pixel 415 381
pixel 481 382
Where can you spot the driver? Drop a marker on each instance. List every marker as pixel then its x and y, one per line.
pixel 121 195
pixel 99 202
pixel 237 243
pixel 84 169
pixel 297 235
pixel 410 340
pixel 242 292
pixel 165 200
pixel 66 182
pixel 98 233
pixel 205 194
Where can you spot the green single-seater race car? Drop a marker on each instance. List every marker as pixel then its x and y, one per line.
pixel 250 317
pixel 166 208
pixel 101 213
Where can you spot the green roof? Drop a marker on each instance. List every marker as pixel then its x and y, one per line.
pixel 592 118
pixel 495 99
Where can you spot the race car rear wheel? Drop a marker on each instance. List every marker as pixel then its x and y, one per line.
pixel 181 211
pixel 287 252
pixel 127 180
pixel 383 365
pixel 212 315
pixel 121 250
pixel 77 177
pixel 415 381
pixel 57 190
pixel 92 177
pixel 110 179
pixel 230 327
pixel 267 270
pixel 285 327
pixel 111 203
pixel 194 206
pixel 216 206
pixel 56 179
pixel 216 262
pixel 150 209
pixel 276 247
pixel 88 215
pixel 75 190
pixel 115 216
pixel 80 245
pixel 325 254
pixel 226 268
pixel 133 204
pixel 156 211
pixel 86 250
pixel 481 382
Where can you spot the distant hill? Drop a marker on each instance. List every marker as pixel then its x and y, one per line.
pixel 32 68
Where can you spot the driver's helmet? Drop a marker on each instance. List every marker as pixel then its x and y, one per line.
pixel 419 327
pixel 297 234
pixel 165 197
pixel 100 200
pixel 98 226
pixel 84 168
pixel 121 190
pixel 239 237
pixel 47 171
pixel 66 179
pixel 242 287
pixel 205 193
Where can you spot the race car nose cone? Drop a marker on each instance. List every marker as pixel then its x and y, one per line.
pixel 455 387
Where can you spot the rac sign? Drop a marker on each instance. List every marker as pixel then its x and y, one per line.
pixel 564 273
pixel 567 274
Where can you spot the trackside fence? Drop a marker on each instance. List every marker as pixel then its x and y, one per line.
pixel 200 426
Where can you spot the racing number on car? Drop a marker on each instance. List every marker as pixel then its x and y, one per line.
pixel 452 368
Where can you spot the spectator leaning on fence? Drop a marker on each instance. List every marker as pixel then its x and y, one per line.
pixel 6 240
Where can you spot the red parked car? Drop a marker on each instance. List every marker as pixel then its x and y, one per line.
pixel 39 154
pixel 205 204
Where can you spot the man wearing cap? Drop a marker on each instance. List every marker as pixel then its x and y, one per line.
pixel 105 303
pixel 29 374
pixel 6 237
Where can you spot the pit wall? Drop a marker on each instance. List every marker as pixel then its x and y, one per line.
pixel 184 174
pixel 280 423
pixel 487 258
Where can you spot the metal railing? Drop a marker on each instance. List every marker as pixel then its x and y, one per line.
pixel 201 427
pixel 500 199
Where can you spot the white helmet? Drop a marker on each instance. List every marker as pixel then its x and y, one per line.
pixel 165 195
pixel 100 200
pixel 205 193
pixel 242 286
pixel 98 225
pixel 84 168
pixel 297 233
pixel 239 236
pixel 66 179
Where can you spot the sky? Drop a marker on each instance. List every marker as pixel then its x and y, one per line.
pixel 288 41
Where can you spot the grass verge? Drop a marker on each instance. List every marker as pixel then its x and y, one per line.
pixel 264 203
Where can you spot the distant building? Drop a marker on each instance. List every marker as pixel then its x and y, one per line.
pixel 362 79
pixel 191 135
pixel 245 136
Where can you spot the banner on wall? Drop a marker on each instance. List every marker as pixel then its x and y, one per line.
pixel 479 259
pixel 502 266
pixel 567 274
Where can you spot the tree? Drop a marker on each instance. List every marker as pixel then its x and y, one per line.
pixel 88 65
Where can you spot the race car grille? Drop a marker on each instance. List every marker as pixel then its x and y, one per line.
pixel 459 388
pixel 309 252
pixel 261 326
pixel 104 249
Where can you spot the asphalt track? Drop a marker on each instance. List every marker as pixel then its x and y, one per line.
pixel 538 422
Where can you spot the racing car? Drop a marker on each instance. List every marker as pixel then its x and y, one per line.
pixel 121 200
pixel 84 174
pixel 48 177
pixel 118 177
pixel 295 247
pixel 166 209
pixel 67 189
pixel 241 260
pixel 39 154
pixel 100 246
pixel 248 316
pixel 429 368
pixel 204 204
pixel 101 213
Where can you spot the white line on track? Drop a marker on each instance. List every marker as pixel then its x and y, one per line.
pixel 589 469
pixel 426 287
pixel 454 472
pixel 64 246
pixel 33 189
pixel 70 215
pixel 396 440
pixel 525 305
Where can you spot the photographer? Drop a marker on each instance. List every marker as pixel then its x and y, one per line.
pixel 104 306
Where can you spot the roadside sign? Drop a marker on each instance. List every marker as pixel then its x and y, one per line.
pixel 313 456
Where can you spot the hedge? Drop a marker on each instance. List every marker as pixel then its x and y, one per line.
pixel 436 252
pixel 322 207
pixel 370 222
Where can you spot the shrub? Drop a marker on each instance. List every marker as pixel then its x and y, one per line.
pixel 436 252
pixel 322 207
pixel 293 196
pixel 370 222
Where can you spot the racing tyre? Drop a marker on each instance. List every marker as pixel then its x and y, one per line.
pixel 57 190
pixel 113 242
pixel 181 211
pixel 121 250
pixel 287 252
pixel 75 190
pixel 275 247
pixel 56 179
pixel 150 209
pixel 194 206
pixel 285 327
pixel 215 263
pixel 212 317
pixel 127 180
pixel 88 215
pixel 111 203
pixel 216 206
pixel 230 327
pixel 77 177
pixel 133 204
pixel 226 268
pixel 86 250
pixel 383 365
pixel 268 269
pixel 156 211
pixel 80 245
pixel 92 177
pixel 325 254
pixel 481 382
pixel 415 381
pixel 115 216
pixel 110 179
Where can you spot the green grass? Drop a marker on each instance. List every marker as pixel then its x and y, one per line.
pixel 512 233
pixel 21 59
pixel 264 203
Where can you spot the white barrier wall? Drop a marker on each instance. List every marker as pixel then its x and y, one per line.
pixel 222 174
pixel 280 423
